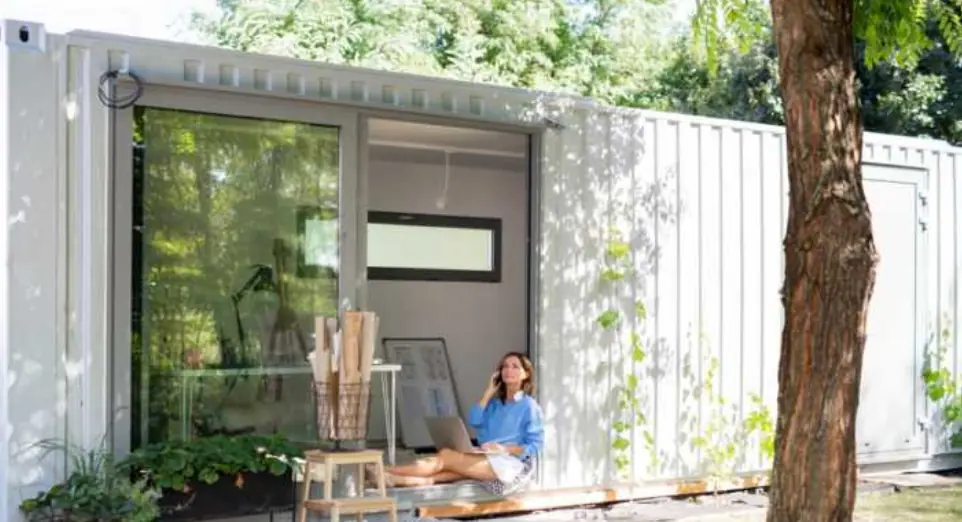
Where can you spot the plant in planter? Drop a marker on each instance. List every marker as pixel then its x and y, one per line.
pixel 218 476
pixel 97 490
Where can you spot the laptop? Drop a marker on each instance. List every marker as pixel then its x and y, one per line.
pixel 451 433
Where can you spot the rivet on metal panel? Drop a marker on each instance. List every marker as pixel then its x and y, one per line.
pixel 358 91
pixel 326 88
pixel 229 76
pixel 295 83
pixel 118 60
pixel 476 104
pixel 419 98
pixel 389 95
pixel 262 80
pixel 194 71
pixel 448 103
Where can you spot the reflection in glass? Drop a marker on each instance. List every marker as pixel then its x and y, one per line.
pixel 317 229
pixel 221 319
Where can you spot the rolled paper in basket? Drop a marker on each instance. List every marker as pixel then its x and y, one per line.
pixel 369 323
pixel 320 360
pixel 368 336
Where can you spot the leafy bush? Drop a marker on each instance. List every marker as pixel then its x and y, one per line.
pixel 175 464
pixel 97 490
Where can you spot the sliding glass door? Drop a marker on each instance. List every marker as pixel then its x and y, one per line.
pixel 234 231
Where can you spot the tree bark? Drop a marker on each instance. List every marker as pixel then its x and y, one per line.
pixel 830 261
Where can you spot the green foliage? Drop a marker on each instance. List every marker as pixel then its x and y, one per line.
pixel 722 438
pixel 96 490
pixel 893 32
pixel 942 388
pixel 620 51
pixel 176 464
pixel 630 408
pixel 600 48
pixel 721 26
pixel 743 85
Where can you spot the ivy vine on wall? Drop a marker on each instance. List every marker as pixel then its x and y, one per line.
pixel 942 387
pixel 630 408
pixel 722 438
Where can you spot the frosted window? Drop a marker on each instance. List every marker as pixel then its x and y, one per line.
pixel 426 247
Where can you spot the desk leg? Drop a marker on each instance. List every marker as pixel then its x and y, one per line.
pixel 392 442
pixel 386 409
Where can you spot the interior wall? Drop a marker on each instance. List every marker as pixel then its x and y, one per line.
pixel 479 321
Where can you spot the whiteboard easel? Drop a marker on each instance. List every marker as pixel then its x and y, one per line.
pixel 425 386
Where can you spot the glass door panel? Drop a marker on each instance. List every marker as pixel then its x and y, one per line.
pixel 234 252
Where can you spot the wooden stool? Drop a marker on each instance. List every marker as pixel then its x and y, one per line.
pixel 336 507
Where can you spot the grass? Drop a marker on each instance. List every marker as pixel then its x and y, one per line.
pixel 921 505
pixel 926 505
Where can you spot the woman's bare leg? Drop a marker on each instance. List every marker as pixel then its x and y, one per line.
pixel 468 465
pixel 438 478
pixel 446 466
pixel 420 468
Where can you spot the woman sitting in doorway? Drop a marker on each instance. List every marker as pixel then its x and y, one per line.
pixel 509 425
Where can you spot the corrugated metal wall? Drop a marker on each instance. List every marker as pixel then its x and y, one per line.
pixel 703 204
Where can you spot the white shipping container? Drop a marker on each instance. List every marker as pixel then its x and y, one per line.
pixel 697 205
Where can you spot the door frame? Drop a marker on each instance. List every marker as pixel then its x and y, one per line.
pixel 120 214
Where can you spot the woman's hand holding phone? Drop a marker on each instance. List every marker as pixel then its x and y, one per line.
pixel 493 384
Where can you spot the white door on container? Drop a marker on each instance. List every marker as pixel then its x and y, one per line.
pixel 890 402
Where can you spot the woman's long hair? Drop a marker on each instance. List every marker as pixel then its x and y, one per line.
pixel 527 385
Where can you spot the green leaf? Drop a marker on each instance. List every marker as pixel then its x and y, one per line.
pixel 618 250
pixel 208 476
pixel 620 443
pixel 612 275
pixel 649 438
pixel 640 310
pixel 277 467
pixel 609 318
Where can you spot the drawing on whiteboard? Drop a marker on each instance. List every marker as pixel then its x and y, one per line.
pixel 435 361
pixel 425 386
pixel 405 357
pixel 413 401
pixel 441 406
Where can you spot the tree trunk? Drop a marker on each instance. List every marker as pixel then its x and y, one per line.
pixel 830 261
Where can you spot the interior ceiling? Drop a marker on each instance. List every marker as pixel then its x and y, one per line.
pixel 400 133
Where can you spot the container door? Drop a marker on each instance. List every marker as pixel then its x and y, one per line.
pixel 892 394
pixel 234 226
pixel 585 174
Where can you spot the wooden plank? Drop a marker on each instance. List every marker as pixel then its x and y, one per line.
pixel 346 457
pixel 575 497
pixel 352 505
pixel 535 501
